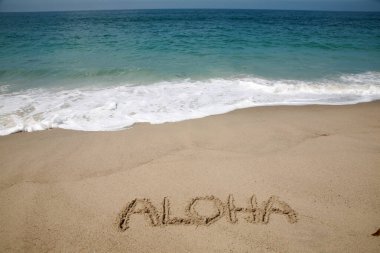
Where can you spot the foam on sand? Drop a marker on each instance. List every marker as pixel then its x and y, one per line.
pixel 118 107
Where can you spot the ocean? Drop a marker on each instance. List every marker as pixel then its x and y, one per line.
pixel 106 70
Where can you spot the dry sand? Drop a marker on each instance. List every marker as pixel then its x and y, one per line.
pixel 68 191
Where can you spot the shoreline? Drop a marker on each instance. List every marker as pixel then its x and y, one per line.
pixel 312 171
pixel 212 115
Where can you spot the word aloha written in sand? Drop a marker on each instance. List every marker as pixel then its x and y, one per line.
pixel 253 212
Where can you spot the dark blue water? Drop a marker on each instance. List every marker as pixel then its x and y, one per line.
pixel 42 49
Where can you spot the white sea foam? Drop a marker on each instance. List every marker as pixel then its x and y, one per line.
pixel 114 108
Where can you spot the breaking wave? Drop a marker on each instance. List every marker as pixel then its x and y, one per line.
pixel 118 107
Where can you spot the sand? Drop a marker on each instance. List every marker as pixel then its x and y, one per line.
pixel 268 179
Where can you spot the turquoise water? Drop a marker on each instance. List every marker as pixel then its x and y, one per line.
pixel 105 70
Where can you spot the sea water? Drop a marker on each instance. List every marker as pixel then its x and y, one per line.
pixel 106 70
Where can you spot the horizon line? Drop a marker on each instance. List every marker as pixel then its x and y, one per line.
pixel 142 9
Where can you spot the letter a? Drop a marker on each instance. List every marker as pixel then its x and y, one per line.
pixel 274 205
pixel 138 206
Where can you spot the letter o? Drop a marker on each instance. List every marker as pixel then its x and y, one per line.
pixel 198 219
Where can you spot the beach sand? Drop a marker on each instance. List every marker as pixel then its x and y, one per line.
pixel 68 191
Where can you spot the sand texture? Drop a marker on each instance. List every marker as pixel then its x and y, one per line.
pixel 268 179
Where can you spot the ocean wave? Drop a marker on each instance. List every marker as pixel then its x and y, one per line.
pixel 4 88
pixel 118 107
